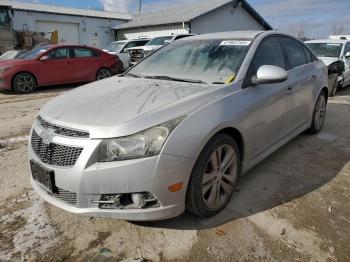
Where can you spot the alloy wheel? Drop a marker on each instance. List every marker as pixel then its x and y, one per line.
pixel 320 112
pixel 103 73
pixel 219 177
pixel 25 84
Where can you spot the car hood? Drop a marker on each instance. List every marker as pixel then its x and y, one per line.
pixel 146 47
pixel 121 106
pixel 328 60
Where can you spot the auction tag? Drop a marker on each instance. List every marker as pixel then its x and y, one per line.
pixel 235 42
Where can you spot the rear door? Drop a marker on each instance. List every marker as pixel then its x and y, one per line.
pixel 270 101
pixel 85 63
pixel 56 69
pixel 302 78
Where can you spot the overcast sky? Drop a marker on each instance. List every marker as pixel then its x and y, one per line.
pixel 317 18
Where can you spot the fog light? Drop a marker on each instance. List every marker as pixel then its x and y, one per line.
pixel 138 200
pixel 127 201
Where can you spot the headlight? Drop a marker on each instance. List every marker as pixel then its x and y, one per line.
pixel 144 144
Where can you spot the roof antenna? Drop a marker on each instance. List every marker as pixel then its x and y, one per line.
pixel 140 6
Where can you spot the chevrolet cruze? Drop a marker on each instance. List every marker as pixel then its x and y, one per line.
pixel 176 131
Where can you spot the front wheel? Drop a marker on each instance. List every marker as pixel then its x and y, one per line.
pixel 24 83
pixel 319 114
pixel 213 177
pixel 103 73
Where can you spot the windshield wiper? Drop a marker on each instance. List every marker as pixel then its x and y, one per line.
pixel 176 79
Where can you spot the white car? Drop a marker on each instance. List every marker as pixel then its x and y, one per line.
pixel 120 49
pixel 331 51
pixel 138 53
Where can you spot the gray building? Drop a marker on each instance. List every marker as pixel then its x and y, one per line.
pixel 205 17
pixel 75 26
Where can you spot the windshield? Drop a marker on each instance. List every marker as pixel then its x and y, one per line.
pixel 209 61
pixel 326 49
pixel 34 53
pixel 115 46
pixel 4 17
pixel 159 40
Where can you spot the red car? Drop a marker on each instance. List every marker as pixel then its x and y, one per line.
pixel 57 64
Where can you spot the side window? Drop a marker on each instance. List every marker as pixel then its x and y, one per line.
pixel 59 53
pixel 295 52
pixel 269 52
pixel 83 52
pixel 308 54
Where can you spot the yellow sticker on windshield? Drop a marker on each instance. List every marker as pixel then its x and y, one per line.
pixel 230 79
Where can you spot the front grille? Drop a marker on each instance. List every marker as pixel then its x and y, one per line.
pixel 136 55
pixel 66 196
pixel 62 130
pixel 54 154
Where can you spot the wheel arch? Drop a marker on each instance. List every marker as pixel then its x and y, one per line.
pixel 237 136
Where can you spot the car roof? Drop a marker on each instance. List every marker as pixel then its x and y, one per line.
pixel 330 41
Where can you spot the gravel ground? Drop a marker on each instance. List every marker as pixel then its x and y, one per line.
pixel 294 206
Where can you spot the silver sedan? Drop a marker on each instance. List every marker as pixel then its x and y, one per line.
pixel 176 131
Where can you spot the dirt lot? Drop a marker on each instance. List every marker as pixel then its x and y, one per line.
pixel 294 206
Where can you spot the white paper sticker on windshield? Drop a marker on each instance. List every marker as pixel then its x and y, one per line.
pixel 42 50
pixel 235 42
pixel 333 44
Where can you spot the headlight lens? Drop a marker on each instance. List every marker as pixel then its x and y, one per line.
pixel 144 144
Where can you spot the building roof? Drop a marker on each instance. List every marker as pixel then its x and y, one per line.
pixel 181 14
pixel 65 10
pixel 228 35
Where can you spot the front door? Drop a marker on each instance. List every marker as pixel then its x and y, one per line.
pixel 56 69
pixel 270 107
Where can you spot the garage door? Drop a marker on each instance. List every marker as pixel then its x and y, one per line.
pixel 68 33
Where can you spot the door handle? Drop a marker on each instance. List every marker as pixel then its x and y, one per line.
pixel 313 77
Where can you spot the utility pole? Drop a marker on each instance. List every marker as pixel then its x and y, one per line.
pixel 140 6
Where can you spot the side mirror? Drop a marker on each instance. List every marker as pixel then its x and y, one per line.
pixel 347 55
pixel 44 58
pixel 269 74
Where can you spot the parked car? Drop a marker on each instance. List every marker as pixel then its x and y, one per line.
pixel 13 54
pixel 120 49
pixel 332 51
pixel 136 54
pixel 57 64
pixel 176 131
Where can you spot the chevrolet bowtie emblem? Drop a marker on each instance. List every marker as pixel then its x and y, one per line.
pixel 47 135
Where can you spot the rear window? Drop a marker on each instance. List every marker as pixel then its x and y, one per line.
pixel 84 52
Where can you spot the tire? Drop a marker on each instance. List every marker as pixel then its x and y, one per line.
pixel 24 83
pixel 203 198
pixel 334 89
pixel 103 73
pixel 319 114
